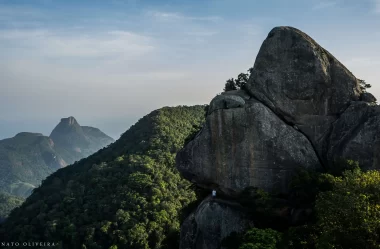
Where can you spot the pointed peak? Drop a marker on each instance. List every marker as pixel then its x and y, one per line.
pixel 69 121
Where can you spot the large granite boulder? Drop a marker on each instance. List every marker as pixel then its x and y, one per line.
pixel 355 136
pixel 300 108
pixel 213 221
pixel 302 82
pixel 246 146
pixel 225 101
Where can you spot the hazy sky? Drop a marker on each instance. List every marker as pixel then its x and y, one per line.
pixel 108 63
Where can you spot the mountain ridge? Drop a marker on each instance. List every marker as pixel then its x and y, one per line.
pixel 128 194
pixel 28 157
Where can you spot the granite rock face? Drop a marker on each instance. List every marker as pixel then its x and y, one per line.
pixel 301 108
pixel 226 102
pixel 213 221
pixel 355 136
pixel 302 82
pixel 246 146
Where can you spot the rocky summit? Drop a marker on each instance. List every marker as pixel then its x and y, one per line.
pixel 301 108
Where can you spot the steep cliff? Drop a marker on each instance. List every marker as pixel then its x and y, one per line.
pixel 301 109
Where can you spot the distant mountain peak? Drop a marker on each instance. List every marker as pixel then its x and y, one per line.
pixel 74 141
pixel 69 121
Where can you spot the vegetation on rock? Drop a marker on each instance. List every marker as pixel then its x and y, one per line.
pixel 238 83
pixel 345 212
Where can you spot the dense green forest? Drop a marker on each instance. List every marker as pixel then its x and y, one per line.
pixel 127 195
pixel 8 202
pixel 25 160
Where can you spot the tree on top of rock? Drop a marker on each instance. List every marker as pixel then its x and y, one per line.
pixel 230 85
pixel 239 82
pixel 364 85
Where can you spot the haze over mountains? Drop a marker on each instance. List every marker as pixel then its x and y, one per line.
pixel 292 151
pixel 28 158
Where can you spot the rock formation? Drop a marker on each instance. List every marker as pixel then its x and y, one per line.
pixel 213 221
pixel 245 146
pixel 302 82
pixel 301 108
pixel 75 142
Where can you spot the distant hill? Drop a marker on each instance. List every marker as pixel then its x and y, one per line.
pixel 28 158
pixel 74 142
pixel 127 195
pixel 25 160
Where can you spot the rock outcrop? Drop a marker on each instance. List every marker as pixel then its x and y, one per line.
pixel 245 146
pixel 355 136
pixel 301 108
pixel 302 82
pixel 213 221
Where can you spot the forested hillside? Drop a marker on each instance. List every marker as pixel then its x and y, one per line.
pixel 25 160
pixel 127 195
pixel 9 202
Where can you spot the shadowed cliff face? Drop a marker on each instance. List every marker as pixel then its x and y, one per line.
pixel 246 146
pixel 213 221
pixel 301 108
pixel 302 82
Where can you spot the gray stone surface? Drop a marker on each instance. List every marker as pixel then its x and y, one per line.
pixel 213 221
pixel 368 97
pixel 239 92
pixel 226 101
pixel 355 136
pixel 243 147
pixel 301 103
pixel 302 82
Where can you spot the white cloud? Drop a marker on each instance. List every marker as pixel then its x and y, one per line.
pixel 172 16
pixel 201 33
pixel 52 44
pixel 325 5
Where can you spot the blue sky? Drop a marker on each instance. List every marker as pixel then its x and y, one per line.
pixel 108 63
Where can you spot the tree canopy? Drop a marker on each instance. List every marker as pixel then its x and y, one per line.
pixel 128 195
pixel 238 83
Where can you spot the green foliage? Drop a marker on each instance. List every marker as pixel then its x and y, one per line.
pixel 345 208
pixel 341 165
pixel 195 130
pixel 127 195
pixel 239 82
pixel 301 237
pixel 261 239
pixel 306 185
pixel 349 214
pixel 264 209
pixel 28 158
pixel 230 85
pixel 25 160
pixel 7 203
pixel 364 85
